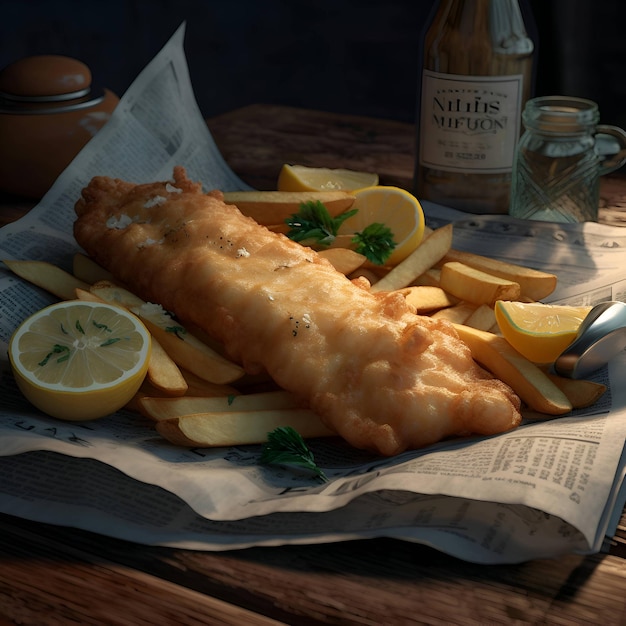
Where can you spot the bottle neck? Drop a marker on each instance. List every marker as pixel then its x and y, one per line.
pixel 501 21
pixel 507 29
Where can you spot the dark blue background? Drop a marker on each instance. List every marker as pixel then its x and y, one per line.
pixel 350 56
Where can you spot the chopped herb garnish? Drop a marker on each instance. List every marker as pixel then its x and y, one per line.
pixel 314 224
pixel 79 328
pixel 231 399
pixel 64 351
pixel 375 242
pixel 285 446
pixel 103 327
pixel 110 342
pixel 177 330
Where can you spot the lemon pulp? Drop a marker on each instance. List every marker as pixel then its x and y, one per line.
pixel 540 332
pixel 303 178
pixel 397 209
pixel 80 360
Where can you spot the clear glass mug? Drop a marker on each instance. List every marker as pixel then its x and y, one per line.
pixel 560 158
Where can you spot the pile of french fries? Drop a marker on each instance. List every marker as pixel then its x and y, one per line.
pixel 197 397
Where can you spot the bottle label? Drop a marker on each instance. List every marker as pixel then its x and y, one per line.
pixel 469 124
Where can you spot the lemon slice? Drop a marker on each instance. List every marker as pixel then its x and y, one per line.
pixel 395 208
pixel 80 360
pixel 302 178
pixel 540 332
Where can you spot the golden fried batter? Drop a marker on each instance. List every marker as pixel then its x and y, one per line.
pixel 382 377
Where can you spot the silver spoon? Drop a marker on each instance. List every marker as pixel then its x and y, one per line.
pixel 600 337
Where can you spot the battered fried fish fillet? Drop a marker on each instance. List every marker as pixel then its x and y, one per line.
pixel 382 377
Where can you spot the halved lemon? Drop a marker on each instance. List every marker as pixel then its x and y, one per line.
pixel 80 360
pixel 303 178
pixel 540 332
pixel 397 209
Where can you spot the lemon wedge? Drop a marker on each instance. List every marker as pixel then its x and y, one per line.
pixel 303 178
pixel 397 209
pixel 540 332
pixel 80 360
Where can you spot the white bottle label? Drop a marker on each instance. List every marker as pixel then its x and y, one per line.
pixel 469 124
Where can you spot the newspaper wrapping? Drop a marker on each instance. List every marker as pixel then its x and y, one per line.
pixel 548 488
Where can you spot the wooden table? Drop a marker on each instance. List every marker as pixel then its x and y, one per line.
pixel 54 575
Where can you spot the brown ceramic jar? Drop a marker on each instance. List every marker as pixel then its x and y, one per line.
pixel 49 110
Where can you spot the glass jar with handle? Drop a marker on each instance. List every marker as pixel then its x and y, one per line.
pixel 560 158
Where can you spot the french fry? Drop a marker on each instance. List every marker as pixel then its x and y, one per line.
pixel 581 393
pixel 48 276
pixel 188 352
pixel 274 207
pixel 528 381
pixel 425 299
pixel 88 270
pixel 85 294
pixel 534 284
pixel 344 260
pixel 199 387
pixel 146 389
pixel 163 373
pixel 111 292
pixel 365 272
pixel 483 318
pixel 238 428
pixel 456 314
pixel 160 408
pixel 429 252
pixel 185 349
pixel 472 285
pixel 430 278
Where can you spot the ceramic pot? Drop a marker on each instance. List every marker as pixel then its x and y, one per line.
pixel 49 110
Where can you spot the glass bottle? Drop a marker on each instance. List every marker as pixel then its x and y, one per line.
pixel 477 75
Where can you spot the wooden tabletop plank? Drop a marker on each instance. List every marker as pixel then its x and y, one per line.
pixel 97 579
pixel 49 579
pixel 257 140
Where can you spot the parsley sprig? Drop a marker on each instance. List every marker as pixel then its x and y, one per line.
pixel 314 226
pixel 285 446
pixel 375 242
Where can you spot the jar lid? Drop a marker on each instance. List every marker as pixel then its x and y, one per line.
pixel 47 84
